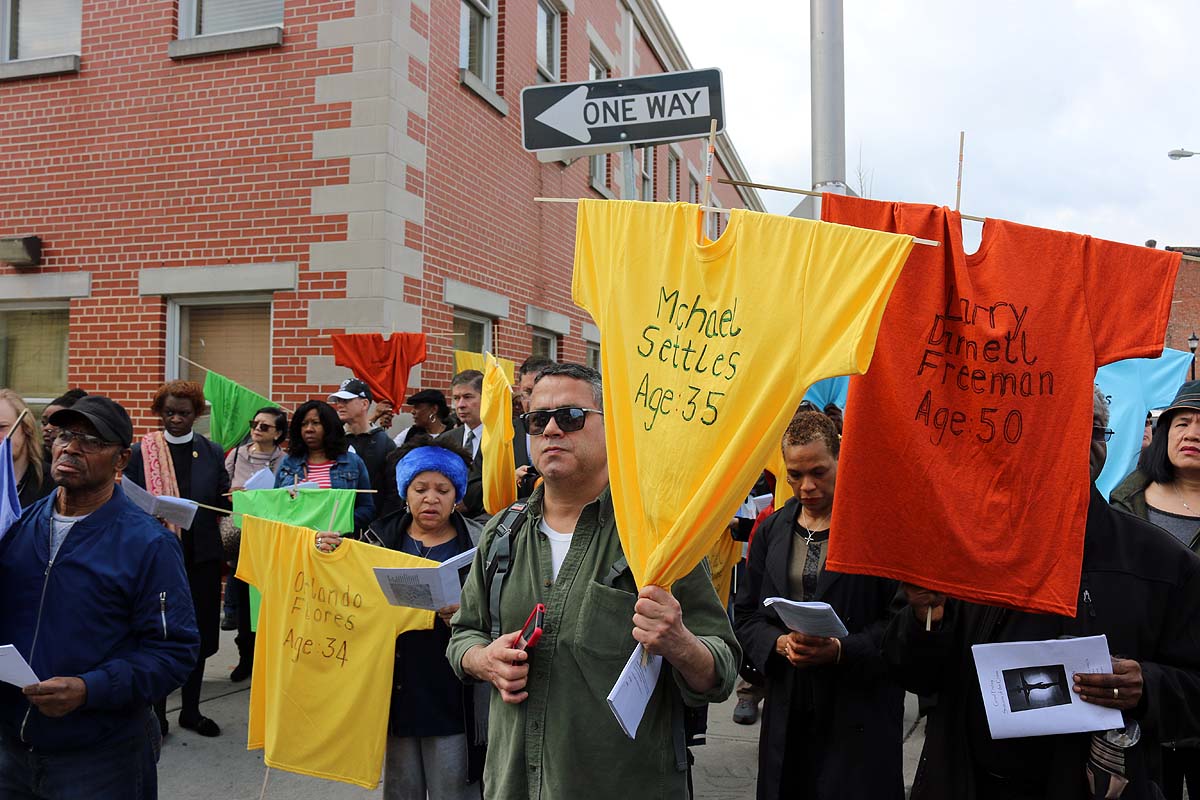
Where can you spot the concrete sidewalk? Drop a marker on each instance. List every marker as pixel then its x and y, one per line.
pixel 195 768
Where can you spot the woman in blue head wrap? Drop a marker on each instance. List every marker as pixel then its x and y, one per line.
pixel 428 752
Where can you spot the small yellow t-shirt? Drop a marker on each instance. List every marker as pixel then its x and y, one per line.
pixel 708 348
pixel 321 686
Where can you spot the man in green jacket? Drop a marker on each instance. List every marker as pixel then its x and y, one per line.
pixel 551 733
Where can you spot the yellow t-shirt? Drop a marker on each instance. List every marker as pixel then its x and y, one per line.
pixel 321 686
pixel 499 463
pixel 707 351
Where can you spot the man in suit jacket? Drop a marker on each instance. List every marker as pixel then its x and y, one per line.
pixel 466 392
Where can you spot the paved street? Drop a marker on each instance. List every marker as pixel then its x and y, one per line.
pixel 195 768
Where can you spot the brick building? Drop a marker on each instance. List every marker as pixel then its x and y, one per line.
pixel 232 181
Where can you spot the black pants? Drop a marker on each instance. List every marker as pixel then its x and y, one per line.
pixel 1178 766
pixel 245 636
pixel 190 696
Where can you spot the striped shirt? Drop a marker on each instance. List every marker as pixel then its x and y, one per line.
pixel 320 473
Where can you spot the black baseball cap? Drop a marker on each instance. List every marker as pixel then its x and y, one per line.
pixel 352 388
pixel 110 420
pixel 429 397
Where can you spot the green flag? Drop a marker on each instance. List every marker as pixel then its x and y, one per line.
pixel 233 406
pixel 310 508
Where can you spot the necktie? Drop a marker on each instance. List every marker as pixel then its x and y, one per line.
pixel 469 442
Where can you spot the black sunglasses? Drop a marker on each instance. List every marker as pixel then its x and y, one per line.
pixel 568 419
pixel 1101 434
pixel 262 427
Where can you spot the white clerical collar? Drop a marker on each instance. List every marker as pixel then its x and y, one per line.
pixel 179 439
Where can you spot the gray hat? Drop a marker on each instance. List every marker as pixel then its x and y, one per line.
pixel 107 416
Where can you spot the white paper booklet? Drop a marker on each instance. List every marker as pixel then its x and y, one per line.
pixel 263 479
pixel 814 619
pixel 14 668
pixel 631 694
pixel 1027 686
pixel 429 588
pixel 174 510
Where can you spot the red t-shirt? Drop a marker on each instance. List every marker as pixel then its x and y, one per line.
pixel 964 467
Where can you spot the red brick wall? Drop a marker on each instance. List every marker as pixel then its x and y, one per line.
pixel 140 161
pixel 482 225
pixel 1185 310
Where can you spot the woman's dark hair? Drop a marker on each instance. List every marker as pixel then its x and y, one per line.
pixel 281 421
pixel 1155 461
pixel 67 398
pixel 335 435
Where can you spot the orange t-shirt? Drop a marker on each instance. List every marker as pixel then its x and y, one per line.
pixel 383 364
pixel 964 466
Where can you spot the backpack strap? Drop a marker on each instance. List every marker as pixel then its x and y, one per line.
pixel 499 558
pixel 619 567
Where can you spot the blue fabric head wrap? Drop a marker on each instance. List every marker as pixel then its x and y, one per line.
pixel 432 458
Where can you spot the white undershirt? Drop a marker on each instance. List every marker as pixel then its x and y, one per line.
pixel 187 437
pixel 560 543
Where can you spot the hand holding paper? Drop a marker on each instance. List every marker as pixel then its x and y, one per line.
pixel 1097 688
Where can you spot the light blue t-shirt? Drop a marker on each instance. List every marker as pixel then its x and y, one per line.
pixel 830 390
pixel 1134 387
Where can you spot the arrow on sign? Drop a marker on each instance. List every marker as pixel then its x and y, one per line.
pixel 576 115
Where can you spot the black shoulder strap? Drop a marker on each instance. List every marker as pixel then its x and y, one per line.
pixel 499 558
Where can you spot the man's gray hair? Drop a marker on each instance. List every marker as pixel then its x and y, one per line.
pixel 468 377
pixel 1100 405
pixel 580 373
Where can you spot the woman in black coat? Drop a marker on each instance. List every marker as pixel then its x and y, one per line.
pixel 178 462
pixel 832 716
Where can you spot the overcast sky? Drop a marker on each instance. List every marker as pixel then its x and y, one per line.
pixel 1069 108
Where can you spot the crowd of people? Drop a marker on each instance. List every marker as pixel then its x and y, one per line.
pixel 115 611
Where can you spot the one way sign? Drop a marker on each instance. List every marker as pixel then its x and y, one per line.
pixel 610 114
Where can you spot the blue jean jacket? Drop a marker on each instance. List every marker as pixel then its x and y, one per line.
pixel 349 472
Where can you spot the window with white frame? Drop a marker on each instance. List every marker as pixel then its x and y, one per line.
pixel 593 356
pixel 476 39
pixel 672 177
pixel 693 189
pixel 205 17
pixel 472 334
pixel 549 27
pixel 229 338
pixel 646 169
pixel 598 164
pixel 714 222
pixel 33 352
pixel 39 29
pixel 544 345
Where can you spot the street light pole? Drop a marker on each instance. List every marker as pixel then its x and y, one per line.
pixel 1175 155
pixel 1193 342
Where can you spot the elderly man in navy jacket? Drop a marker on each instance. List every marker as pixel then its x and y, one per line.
pixel 96 599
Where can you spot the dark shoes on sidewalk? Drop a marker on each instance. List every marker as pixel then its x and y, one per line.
pixel 745 712
pixel 201 725
pixel 229 623
pixel 240 672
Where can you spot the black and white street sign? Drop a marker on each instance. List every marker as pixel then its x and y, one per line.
pixel 621 111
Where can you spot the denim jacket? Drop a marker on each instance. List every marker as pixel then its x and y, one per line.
pixel 348 472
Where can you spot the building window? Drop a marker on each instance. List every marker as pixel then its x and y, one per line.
pixel 544 345
pixel 549 26
pixel 714 222
pixel 232 339
pixel 672 177
pixel 598 164
pixel 476 47
pixel 203 17
pixel 593 356
pixel 646 184
pixel 693 190
pixel 39 29
pixel 33 352
pixel 471 333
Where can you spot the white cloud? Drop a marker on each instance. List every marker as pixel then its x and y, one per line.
pixel 1069 107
